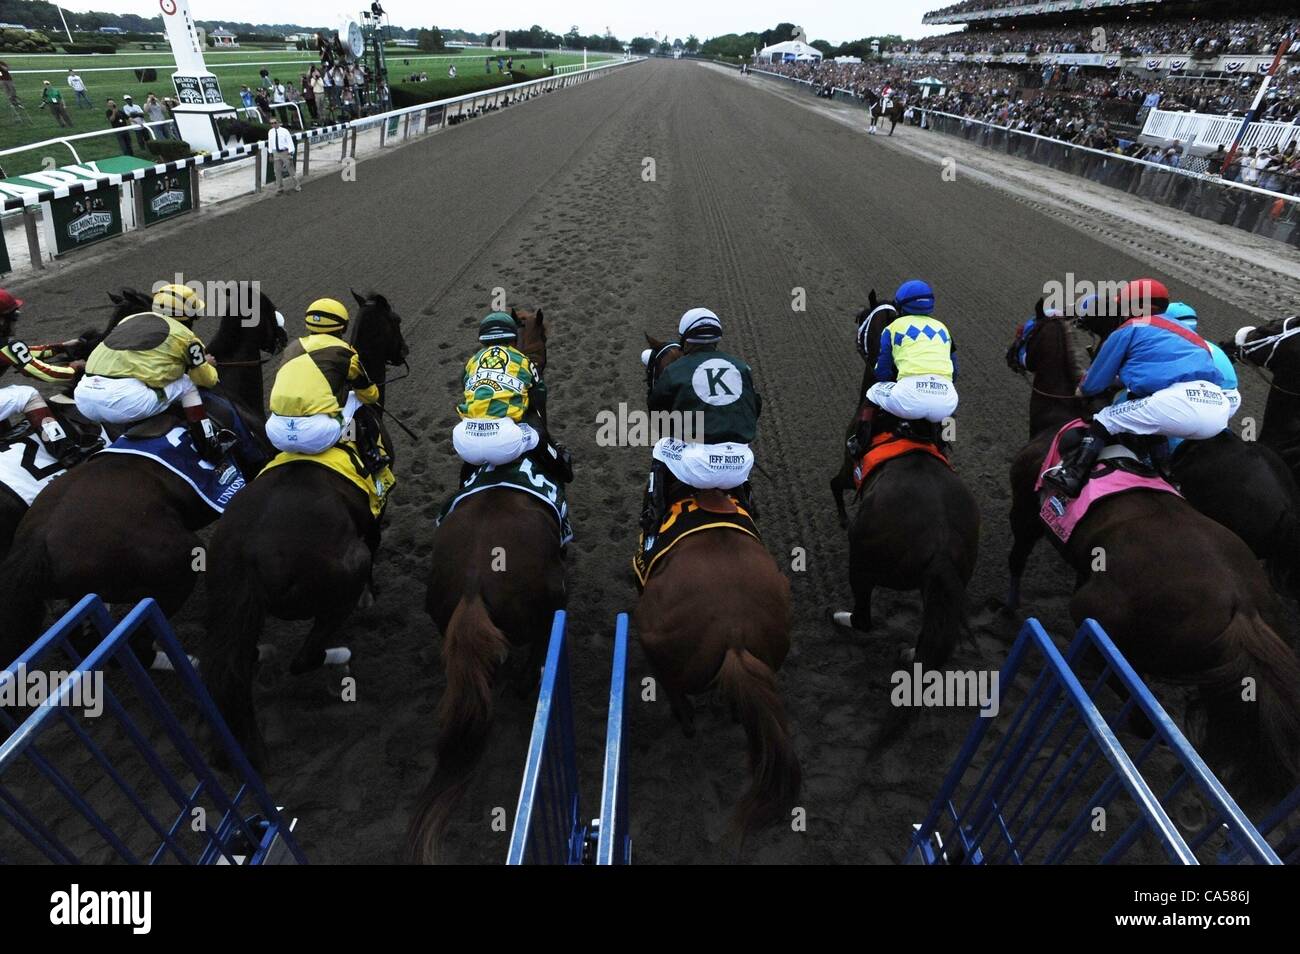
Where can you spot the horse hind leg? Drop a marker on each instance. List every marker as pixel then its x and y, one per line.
pixel 321 647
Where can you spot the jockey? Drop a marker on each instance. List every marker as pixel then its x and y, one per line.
pixel 319 388
pixel 504 406
pixel 1186 315
pixel 717 390
pixel 30 360
pixel 916 366
pixel 148 362
pixel 1174 388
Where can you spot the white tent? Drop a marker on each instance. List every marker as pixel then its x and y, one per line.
pixel 848 59
pixel 789 50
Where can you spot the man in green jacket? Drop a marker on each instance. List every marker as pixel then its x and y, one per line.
pixel 711 398
pixel 51 97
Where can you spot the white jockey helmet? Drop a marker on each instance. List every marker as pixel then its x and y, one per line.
pixel 699 326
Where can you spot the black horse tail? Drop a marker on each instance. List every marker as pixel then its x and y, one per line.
pixel 472 649
pixel 943 613
pixel 24 575
pixel 748 685
pixel 1252 710
pixel 228 658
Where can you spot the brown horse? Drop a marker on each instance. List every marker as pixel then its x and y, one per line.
pixel 298 543
pixel 1184 599
pixel 496 580
pixel 715 613
pixel 917 527
pixel 122 526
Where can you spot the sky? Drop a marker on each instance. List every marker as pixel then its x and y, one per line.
pixel 833 20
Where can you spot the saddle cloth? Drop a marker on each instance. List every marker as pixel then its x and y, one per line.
pixel 1116 472
pixel 886 446
pixel 715 510
pixel 26 468
pixel 521 475
pixel 344 460
pixel 215 485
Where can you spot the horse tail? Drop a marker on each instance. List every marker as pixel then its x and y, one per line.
pixel 24 574
pixel 228 658
pixel 748 685
pixel 943 614
pixel 1258 737
pixel 472 649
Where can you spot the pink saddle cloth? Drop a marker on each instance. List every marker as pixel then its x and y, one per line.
pixel 1062 515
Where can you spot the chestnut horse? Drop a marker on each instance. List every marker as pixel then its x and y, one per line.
pixel 715 613
pixel 482 611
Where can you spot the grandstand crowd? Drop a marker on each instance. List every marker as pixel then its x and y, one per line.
pixel 1099 108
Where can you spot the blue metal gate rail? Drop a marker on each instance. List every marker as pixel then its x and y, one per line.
pixel 225 835
pixel 614 846
pixel 1060 767
pixel 548 828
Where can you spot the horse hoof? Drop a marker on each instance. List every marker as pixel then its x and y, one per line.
pixel 366 599
pixel 846 620
pixel 907 656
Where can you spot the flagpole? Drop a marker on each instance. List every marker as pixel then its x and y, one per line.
pixel 65 22
pixel 1253 112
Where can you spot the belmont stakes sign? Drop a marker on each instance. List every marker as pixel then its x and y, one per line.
pixel 80 220
pixel 166 194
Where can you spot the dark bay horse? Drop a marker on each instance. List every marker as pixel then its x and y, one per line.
pixel 894 114
pixel 297 544
pixel 917 527
pixel 122 526
pixel 715 613
pixel 1184 599
pixel 1275 347
pixel 1243 485
pixel 496 580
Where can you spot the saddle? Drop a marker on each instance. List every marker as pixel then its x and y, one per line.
pixel 690 511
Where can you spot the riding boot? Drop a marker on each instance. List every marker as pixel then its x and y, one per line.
pixel 860 442
pixel 745 496
pixel 555 459
pixel 212 445
pixel 656 498
pixel 370 442
pixel 466 472
pixel 1071 474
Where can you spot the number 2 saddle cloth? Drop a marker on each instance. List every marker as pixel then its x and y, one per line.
pixel 523 476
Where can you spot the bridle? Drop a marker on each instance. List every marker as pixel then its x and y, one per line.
pixel 1272 342
pixel 652 365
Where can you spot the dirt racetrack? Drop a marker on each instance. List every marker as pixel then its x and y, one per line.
pixel 754 195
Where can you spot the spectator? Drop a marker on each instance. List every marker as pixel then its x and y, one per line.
pixel 135 115
pixel 51 97
pixel 155 112
pixel 117 119
pixel 246 96
pixel 278 93
pixel 264 78
pixel 263 104
pixel 79 87
pixel 451 71
pixel 487 65
pixel 310 90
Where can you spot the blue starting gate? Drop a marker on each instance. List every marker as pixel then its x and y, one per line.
pixel 548 826
pixel 1059 784
pixel 94 773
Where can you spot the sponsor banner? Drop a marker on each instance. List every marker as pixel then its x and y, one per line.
pixel 393 123
pixel 80 220
pixel 433 117
pixel 197 90
pixel 1112 62
pixel 166 195
pixel 1076 59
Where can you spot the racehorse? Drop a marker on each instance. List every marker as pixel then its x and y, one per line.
pixel 879 112
pixel 917 527
pixel 715 613
pixel 1276 347
pixel 120 525
pixel 1183 599
pixel 298 543
pixel 496 580
pixel 13 506
pixel 1242 485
